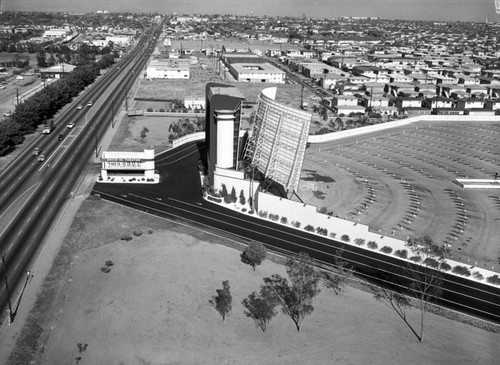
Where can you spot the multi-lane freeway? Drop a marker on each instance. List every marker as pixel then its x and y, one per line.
pixel 32 191
pixel 184 201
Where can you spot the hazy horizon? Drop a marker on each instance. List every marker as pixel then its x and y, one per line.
pixel 440 10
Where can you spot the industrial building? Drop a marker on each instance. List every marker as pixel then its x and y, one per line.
pixel 167 69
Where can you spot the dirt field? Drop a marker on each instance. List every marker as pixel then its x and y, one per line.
pixel 152 307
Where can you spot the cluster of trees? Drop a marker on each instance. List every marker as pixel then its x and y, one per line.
pixel 294 295
pixel 44 104
pixel 185 126
pixel 84 54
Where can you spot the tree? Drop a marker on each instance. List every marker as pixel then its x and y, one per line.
pixel 396 301
pixel 261 308
pixel 254 254
pixel 234 199
pixel 335 279
pixel 296 296
pixel 223 300
pixel 425 282
pixel 242 198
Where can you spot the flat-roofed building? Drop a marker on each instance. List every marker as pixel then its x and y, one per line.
pixel 129 167
pixel 256 72
pixel 167 69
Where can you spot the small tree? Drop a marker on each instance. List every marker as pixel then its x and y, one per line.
pixel 234 199
pixel 295 296
pixel 427 278
pixel 223 300
pixel 261 308
pixel 397 302
pixel 336 277
pixel 254 254
pixel 242 198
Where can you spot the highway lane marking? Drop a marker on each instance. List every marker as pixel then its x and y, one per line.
pixel 278 231
pixel 15 201
pixel 177 160
pixel 329 254
pixel 274 229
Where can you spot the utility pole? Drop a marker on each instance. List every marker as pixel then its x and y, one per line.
pixel 11 314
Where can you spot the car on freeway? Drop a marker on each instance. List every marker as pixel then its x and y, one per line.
pixel 79 107
pixel 41 158
pixel 61 136
pixel 89 104
pixel 70 125
pixel 36 151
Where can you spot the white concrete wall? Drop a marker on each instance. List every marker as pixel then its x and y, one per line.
pixel 232 178
pixel 397 123
pixel 198 136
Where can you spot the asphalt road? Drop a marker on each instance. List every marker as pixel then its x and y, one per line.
pixel 178 196
pixel 33 192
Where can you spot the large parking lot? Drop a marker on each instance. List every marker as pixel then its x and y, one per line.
pixel 400 182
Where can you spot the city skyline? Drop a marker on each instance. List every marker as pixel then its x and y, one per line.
pixel 439 10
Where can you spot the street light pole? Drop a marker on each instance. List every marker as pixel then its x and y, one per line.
pixel 11 314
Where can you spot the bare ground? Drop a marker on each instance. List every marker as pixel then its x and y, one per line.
pixel 152 307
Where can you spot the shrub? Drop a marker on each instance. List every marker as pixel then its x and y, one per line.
pixel 296 224
pixel 137 233
pixel 461 270
pixel 322 210
pixel 431 262
pixel 333 235
pixel 284 220
pixel 359 241
pixel 322 231
pixel 345 238
pixel 109 263
pixel 372 244
pixel 105 269
pixel 243 210
pixel 445 266
pixel 161 110
pixel 251 211
pixel 386 249
pixel 263 214
pixel 493 280
pixel 415 258
pixel 401 253
pixel 126 237
pixel 274 217
pixel 150 231
pixel 309 228
pixel 477 275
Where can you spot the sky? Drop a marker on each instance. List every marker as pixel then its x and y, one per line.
pixel 441 10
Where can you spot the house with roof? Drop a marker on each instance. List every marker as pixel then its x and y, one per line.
pixel 492 104
pixel 331 80
pixel 470 103
pixel 403 102
pixel 439 102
